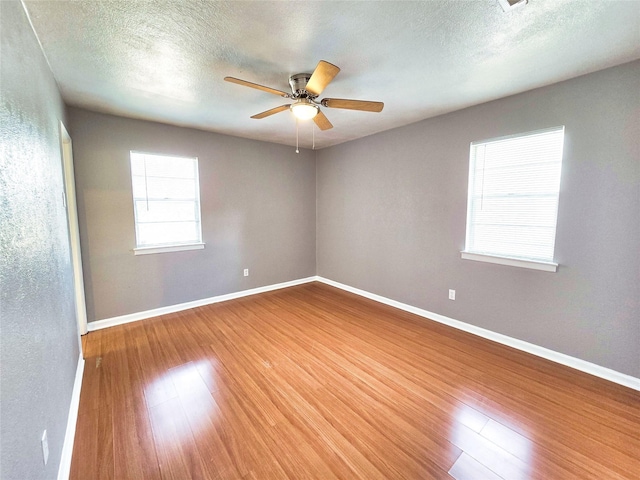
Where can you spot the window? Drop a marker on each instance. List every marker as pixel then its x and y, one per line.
pixel 166 203
pixel 514 184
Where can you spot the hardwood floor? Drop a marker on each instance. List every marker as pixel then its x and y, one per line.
pixel 314 383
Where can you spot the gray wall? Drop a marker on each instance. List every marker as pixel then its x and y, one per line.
pixel 392 212
pixel 258 203
pixel 39 341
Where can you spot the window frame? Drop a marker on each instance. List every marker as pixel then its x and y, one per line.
pixel 174 246
pixel 534 264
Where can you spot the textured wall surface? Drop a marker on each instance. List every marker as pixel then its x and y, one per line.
pixel 392 214
pixel 39 345
pixel 258 203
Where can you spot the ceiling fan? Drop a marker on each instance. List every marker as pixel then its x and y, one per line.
pixel 305 90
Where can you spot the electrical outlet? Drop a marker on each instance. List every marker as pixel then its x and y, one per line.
pixel 246 272
pixel 452 294
pixel 45 447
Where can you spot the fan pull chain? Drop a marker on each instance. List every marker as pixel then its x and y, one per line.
pixel 313 133
pixel 297 150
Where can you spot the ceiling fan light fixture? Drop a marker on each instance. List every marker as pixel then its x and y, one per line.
pixel 305 89
pixel 303 109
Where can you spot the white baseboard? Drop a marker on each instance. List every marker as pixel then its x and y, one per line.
pixel 134 317
pixel 67 448
pixel 561 358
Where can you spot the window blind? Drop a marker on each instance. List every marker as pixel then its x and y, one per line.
pixel 166 199
pixel 514 185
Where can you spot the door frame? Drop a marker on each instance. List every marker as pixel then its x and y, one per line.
pixel 74 229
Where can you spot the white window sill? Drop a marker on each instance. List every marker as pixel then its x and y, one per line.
pixel 168 248
pixel 512 262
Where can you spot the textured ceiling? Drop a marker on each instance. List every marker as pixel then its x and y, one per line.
pixel 166 60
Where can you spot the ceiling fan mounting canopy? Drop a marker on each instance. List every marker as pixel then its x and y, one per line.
pixel 305 89
pixel 298 83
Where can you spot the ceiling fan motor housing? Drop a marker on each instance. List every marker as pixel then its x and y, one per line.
pixel 298 84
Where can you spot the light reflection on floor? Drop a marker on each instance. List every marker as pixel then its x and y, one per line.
pixel 490 449
pixel 181 403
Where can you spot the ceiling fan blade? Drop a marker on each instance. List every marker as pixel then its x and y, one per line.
pixel 353 104
pixel 256 86
pixel 322 122
pixel 321 77
pixel 279 109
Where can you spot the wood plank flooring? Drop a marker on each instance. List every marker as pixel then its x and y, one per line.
pixel 311 382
